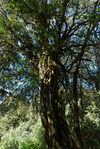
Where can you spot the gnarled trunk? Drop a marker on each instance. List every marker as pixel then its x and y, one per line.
pixel 57 135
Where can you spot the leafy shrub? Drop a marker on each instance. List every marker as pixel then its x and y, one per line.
pixel 21 129
pixel 27 136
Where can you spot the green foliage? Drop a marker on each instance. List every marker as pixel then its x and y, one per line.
pixel 20 130
pixel 91 124
pixel 89 119
pixel 28 135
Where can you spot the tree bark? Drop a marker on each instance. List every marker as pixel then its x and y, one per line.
pixel 56 131
pixel 97 59
pixel 77 130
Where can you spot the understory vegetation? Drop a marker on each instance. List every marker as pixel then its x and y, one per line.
pixel 21 128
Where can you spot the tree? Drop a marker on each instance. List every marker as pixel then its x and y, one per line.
pixel 53 38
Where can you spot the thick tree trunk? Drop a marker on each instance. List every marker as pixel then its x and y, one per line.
pixel 57 135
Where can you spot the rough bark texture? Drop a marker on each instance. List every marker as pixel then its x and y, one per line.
pixel 79 143
pixel 57 135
